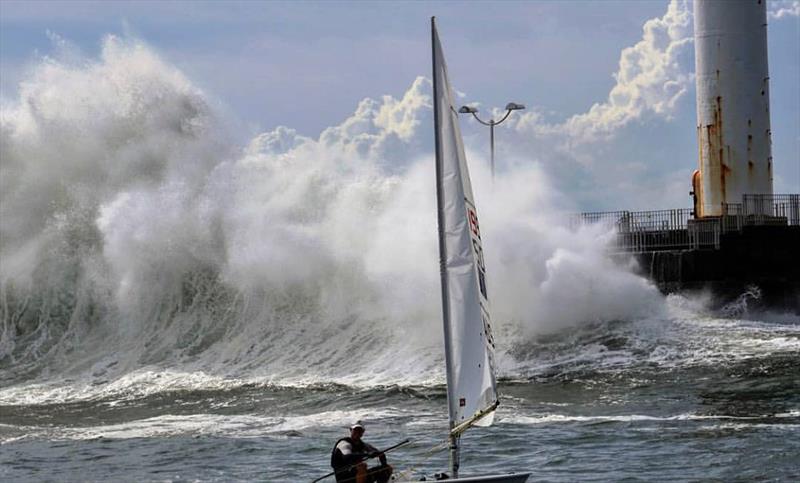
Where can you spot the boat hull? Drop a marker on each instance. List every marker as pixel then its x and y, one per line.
pixel 507 478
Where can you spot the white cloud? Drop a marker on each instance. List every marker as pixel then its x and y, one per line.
pixel 388 129
pixel 652 76
pixel 650 79
pixel 779 9
pixel 278 141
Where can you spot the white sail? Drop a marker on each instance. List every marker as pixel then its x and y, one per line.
pixel 469 347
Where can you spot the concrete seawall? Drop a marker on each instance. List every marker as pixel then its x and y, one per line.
pixel 767 257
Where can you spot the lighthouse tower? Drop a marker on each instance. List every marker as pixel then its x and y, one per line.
pixel 733 128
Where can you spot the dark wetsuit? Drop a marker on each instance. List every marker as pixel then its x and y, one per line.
pixel 347 453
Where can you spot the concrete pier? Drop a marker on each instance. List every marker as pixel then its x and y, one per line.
pixel 766 257
pixel 754 243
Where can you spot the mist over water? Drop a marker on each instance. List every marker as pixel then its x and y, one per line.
pixel 160 282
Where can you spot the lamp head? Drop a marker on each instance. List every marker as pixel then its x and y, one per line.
pixel 468 110
pixel 513 106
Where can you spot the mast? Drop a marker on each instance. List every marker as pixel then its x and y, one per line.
pixel 453 439
pixel 468 342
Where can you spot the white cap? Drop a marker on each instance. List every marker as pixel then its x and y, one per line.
pixel 357 424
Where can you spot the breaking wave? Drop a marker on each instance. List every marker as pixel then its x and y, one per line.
pixel 142 249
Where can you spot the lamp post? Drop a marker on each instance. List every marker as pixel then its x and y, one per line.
pixel 511 106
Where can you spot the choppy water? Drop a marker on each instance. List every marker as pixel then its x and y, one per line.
pixel 670 399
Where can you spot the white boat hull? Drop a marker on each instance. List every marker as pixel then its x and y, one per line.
pixel 507 478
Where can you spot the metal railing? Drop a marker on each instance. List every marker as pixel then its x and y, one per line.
pixel 657 220
pixel 607 218
pixel 643 230
pixel 732 218
pixel 771 209
pixel 704 233
pixel 638 231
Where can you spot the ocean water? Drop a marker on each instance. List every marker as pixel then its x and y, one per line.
pixel 176 305
pixel 677 399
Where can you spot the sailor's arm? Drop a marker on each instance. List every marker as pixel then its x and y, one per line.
pixel 373 451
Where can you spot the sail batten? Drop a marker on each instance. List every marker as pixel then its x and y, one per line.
pixel 469 346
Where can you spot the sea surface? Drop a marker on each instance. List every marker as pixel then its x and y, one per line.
pixel 693 396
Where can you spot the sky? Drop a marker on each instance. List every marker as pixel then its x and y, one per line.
pixel 608 86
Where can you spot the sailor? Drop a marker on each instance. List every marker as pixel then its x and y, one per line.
pixel 349 455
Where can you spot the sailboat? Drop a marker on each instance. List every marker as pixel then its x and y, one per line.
pixel 468 343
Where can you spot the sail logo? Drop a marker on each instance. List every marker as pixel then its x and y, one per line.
pixel 473 222
pixel 477 248
pixel 487 330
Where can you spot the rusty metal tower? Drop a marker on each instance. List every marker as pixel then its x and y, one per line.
pixel 733 126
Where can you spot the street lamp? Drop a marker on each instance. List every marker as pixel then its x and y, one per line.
pixel 511 106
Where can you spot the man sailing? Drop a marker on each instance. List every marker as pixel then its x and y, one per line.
pixel 348 459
